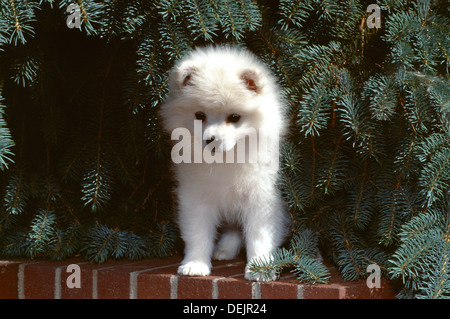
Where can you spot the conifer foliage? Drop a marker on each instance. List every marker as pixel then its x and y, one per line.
pixel 84 165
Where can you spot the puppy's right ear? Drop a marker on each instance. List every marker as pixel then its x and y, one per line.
pixel 184 76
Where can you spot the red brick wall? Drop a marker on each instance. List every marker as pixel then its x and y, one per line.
pixel 157 279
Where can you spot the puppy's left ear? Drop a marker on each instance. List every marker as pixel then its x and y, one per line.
pixel 186 75
pixel 251 81
pixel 182 76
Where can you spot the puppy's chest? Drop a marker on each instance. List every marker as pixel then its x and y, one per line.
pixel 224 178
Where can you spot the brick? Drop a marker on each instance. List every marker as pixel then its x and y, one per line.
pixel 281 289
pixel 234 288
pixel 113 283
pixel 195 287
pixel 154 282
pixel 151 286
pixel 8 279
pixel 39 279
pixel 232 284
pixel 322 291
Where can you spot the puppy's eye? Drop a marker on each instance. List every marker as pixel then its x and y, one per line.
pixel 200 116
pixel 233 118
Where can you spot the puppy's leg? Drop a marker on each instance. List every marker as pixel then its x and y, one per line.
pixel 229 245
pixel 264 232
pixel 198 229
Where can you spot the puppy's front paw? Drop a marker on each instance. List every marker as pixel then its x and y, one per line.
pixel 194 268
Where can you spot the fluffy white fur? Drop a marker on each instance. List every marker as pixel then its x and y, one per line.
pixel 241 199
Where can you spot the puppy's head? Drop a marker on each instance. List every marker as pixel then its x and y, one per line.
pixel 222 90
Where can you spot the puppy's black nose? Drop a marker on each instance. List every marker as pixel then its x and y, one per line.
pixel 210 140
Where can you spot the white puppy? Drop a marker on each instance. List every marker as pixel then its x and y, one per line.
pixel 220 98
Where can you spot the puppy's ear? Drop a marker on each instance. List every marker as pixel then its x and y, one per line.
pixel 185 75
pixel 251 80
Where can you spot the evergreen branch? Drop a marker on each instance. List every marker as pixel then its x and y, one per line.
pixel 329 8
pixel 301 255
pixel 42 232
pixel 97 184
pixel 293 191
pixel 98 243
pixel 380 92
pixel 314 110
pixel 67 242
pixel 335 170
pixel 360 199
pixel 13 244
pixel 136 247
pixel 19 16
pixel 436 284
pixel 421 224
pixel 202 17
pixel 435 177
pixel 351 258
pixel 175 40
pixel 311 270
pixel 168 8
pixel 229 22
pixel 17 194
pixel 251 14
pixel 25 72
pixel 387 222
pixel 162 240
pixel 407 260
pixel 293 12
pixel 407 116
pixel 357 211
pixel 147 64
pixel 269 268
